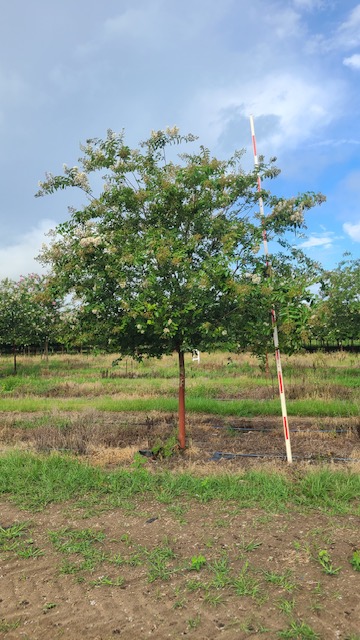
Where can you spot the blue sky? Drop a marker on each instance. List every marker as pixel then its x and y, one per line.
pixel 70 70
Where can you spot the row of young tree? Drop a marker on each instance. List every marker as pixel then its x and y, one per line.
pixel 33 318
pixel 166 258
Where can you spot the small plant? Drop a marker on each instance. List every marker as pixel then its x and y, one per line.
pixel 48 606
pixel 197 562
pixel 213 599
pixel 326 563
pixel 180 604
pixel 355 560
pixel 246 585
pixel 109 582
pixel 8 626
pixel 158 563
pixel 9 533
pixel 220 568
pixel 251 626
pixel 164 449
pixel 286 606
pixel 30 552
pixel 299 631
pixel 195 585
pixel 280 579
pixel 194 622
pixel 250 546
pixel 126 538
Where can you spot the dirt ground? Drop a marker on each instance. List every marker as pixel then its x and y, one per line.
pixel 39 600
pixel 255 574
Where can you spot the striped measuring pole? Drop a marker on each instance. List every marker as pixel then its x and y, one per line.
pixel 273 315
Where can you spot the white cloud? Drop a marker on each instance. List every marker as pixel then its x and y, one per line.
pixel 353 230
pixel 310 5
pixel 346 36
pixel 349 31
pixel 296 108
pixel 19 258
pixel 353 61
pixel 324 241
pixel 315 241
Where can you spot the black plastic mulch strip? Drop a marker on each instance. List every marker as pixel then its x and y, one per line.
pixel 219 455
pixel 269 429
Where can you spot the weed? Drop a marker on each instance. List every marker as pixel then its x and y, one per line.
pixel 280 579
pixel 29 552
pixel 158 563
pixel 109 582
pixel 126 538
pixel 164 449
pixel 48 606
pixel 196 584
pixel 286 606
pixel 251 626
pixel 299 631
pixel 247 547
pixel 69 568
pixel 213 599
pixel 355 560
pixel 220 568
pixel 326 563
pixel 245 584
pixel 75 541
pixel 9 533
pixel 179 511
pixel 180 604
pixel 193 623
pixel 5 627
pixel 318 589
pixel 197 562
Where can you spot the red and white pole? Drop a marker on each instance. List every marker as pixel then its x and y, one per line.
pixel 273 315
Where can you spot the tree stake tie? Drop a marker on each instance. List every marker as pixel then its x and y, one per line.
pixel 273 315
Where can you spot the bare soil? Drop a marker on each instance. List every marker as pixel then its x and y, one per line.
pixel 42 602
pixel 42 597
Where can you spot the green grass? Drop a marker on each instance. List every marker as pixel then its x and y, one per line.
pixel 33 481
pixel 244 408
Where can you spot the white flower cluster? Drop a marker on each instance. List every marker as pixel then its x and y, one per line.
pixel 90 241
pixel 81 180
pixel 297 214
pixel 283 205
pixel 254 277
pixel 155 135
pixel 172 131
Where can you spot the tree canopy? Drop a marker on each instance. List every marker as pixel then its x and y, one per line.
pixel 166 257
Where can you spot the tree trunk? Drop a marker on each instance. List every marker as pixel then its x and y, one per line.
pixel 46 350
pixel 182 433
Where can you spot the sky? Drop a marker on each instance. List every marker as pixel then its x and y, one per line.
pixel 70 70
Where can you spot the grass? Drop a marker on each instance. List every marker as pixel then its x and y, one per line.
pixel 33 481
pixel 223 384
pixel 244 408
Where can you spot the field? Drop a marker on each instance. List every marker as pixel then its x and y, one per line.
pixel 98 540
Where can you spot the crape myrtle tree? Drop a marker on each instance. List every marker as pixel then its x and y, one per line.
pixel 28 312
pixel 158 256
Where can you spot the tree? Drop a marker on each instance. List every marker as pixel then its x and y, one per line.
pixel 336 315
pixel 28 312
pixel 158 256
